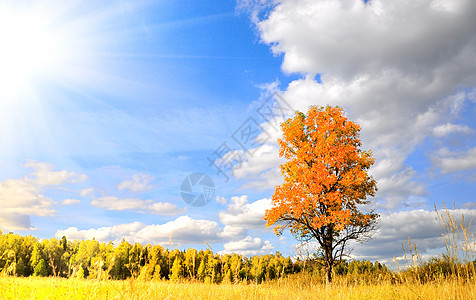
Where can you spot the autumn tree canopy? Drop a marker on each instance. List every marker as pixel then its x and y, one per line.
pixel 325 183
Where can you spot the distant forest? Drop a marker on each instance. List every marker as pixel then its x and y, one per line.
pixel 28 256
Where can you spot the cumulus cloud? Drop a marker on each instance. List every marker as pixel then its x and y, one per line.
pixel 260 164
pixel 87 192
pixel 469 205
pixel 260 169
pixel 241 216
pixel 423 227
pixel 181 231
pixel 263 158
pixel 448 128
pixel 138 183
pixel 399 188
pixel 21 198
pixel 221 200
pixel 402 70
pixel 11 221
pixel 248 246
pixel 44 175
pixel 103 234
pixel 70 201
pixel 450 162
pixel 136 204
pixel 410 36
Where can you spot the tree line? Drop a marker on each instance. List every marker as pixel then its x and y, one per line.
pixel 28 256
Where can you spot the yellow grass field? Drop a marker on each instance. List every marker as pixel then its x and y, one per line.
pixel 55 288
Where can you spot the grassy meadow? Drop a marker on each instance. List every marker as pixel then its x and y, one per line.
pixel 294 287
pixel 449 276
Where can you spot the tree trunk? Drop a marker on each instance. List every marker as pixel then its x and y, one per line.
pixel 328 241
pixel 329 273
pixel 52 262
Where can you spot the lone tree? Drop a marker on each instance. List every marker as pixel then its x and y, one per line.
pixel 325 182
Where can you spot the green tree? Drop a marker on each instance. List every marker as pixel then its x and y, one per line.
pixel 80 273
pixel 120 268
pixel 54 253
pixel 64 244
pixel 136 259
pixel 177 270
pixel 86 251
pixel 212 269
pixel 157 272
pixel 36 255
pixel 40 269
pixel 189 263
pixel 21 268
pixel 202 273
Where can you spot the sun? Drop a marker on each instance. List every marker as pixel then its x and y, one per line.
pixel 29 49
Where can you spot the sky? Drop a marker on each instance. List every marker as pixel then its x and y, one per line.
pixel 107 107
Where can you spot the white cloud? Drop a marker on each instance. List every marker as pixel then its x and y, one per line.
pixel 44 175
pixel 20 198
pixel 103 234
pixel 392 131
pixel 238 219
pixel 221 200
pixel 182 231
pixel 231 232
pixel 469 205
pixel 253 7
pixel 398 188
pixel 399 69
pixel 421 226
pixel 10 221
pixel 116 203
pixel 260 165
pixel 260 169
pixel 410 36
pixel 70 201
pixel 248 246
pixel 87 192
pixel 138 183
pixel 241 216
pixel 164 208
pixel 136 204
pixel 450 162
pixel 268 179
pixel 448 128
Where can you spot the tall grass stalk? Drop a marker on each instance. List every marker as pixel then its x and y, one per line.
pixel 457 263
pixel 459 243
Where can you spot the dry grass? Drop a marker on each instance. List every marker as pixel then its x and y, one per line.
pixel 416 282
pixel 297 287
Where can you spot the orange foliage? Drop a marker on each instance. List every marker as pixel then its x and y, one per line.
pixel 325 177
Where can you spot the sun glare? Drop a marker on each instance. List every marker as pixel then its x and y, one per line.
pixel 28 49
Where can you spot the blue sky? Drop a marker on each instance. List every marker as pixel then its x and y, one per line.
pixel 105 108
